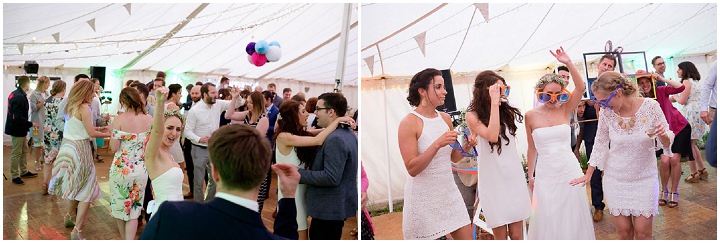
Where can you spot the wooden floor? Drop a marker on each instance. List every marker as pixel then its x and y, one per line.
pixel 28 215
pixel 694 219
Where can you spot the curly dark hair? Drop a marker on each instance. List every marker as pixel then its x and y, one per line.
pixel 290 123
pixel 421 80
pixel 480 104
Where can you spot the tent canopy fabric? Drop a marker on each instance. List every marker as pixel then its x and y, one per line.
pixel 519 35
pixel 183 37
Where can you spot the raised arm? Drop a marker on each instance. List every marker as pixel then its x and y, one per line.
pixel 288 139
pixel 672 83
pixel 153 146
pixel 577 79
pixel 408 141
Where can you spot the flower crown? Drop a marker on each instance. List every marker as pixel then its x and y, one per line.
pixel 550 78
pixel 175 113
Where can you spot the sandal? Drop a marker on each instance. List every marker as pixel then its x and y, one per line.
pixel 76 236
pixel 673 202
pixel 693 178
pixel 704 174
pixel 663 200
pixel 69 223
pixel 44 189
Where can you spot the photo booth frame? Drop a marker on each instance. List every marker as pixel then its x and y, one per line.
pixel 630 67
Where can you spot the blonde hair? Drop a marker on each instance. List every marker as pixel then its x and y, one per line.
pixel 610 80
pixel 550 78
pixel 42 80
pixel 80 93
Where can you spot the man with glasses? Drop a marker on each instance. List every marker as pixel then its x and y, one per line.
pixel 659 65
pixel 331 181
pixel 589 129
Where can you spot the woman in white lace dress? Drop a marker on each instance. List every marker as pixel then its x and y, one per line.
pixel 433 206
pixel 690 99
pixel 560 211
pixel 628 131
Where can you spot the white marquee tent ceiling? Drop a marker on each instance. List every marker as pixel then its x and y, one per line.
pixel 211 41
pixel 520 35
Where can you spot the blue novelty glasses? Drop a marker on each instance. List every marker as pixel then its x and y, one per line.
pixel 504 91
pixel 457 146
pixel 606 103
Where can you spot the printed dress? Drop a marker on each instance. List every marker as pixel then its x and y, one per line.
pixel 691 111
pixel 128 176
pixel 53 127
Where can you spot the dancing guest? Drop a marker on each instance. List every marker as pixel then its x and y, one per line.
pixel 164 172
pixel 96 116
pixel 240 155
pixel 73 173
pixel 256 117
pixel 202 120
pixel 560 211
pixel 128 176
pixel 501 184
pixel 275 99
pixel 187 145
pixel 37 99
pixel 690 99
pixel 628 130
pixel 297 147
pixel 433 205
pixel 332 184
pixel 54 124
pixel 670 168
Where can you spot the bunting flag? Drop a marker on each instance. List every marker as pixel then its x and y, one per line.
pixel 56 36
pixel 92 24
pixel 370 61
pixel 128 6
pixel 483 7
pixel 420 39
pixel 20 47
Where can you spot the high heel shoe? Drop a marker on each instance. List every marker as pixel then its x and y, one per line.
pixel 673 202
pixel 69 223
pixel 663 200
pixel 76 236
pixel 704 174
pixel 693 178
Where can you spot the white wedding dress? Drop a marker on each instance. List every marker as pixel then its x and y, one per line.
pixel 559 211
pixel 167 187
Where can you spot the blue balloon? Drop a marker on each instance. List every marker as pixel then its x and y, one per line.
pixel 261 47
pixel 250 48
pixel 275 43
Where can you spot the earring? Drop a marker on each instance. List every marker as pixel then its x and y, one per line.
pixel 423 102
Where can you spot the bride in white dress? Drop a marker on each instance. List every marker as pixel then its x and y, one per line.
pixel 164 172
pixel 560 211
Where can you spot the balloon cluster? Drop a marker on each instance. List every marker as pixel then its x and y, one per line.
pixel 262 52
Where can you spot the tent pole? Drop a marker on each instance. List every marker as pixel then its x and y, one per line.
pixel 387 156
pixel 342 50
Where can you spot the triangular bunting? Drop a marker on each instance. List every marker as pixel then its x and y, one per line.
pixel 370 61
pixel 420 39
pixel 483 7
pixel 21 47
pixel 56 36
pixel 92 24
pixel 128 6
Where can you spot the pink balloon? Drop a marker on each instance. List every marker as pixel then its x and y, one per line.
pixel 259 59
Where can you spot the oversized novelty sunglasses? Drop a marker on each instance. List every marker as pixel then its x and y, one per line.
pixel 504 91
pixel 606 103
pixel 561 97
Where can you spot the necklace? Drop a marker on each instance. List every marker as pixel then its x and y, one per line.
pixel 627 123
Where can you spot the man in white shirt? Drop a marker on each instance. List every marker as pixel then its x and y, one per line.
pixel 202 120
pixel 187 145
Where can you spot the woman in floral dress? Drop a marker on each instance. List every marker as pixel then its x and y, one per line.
pixel 53 126
pixel 128 176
